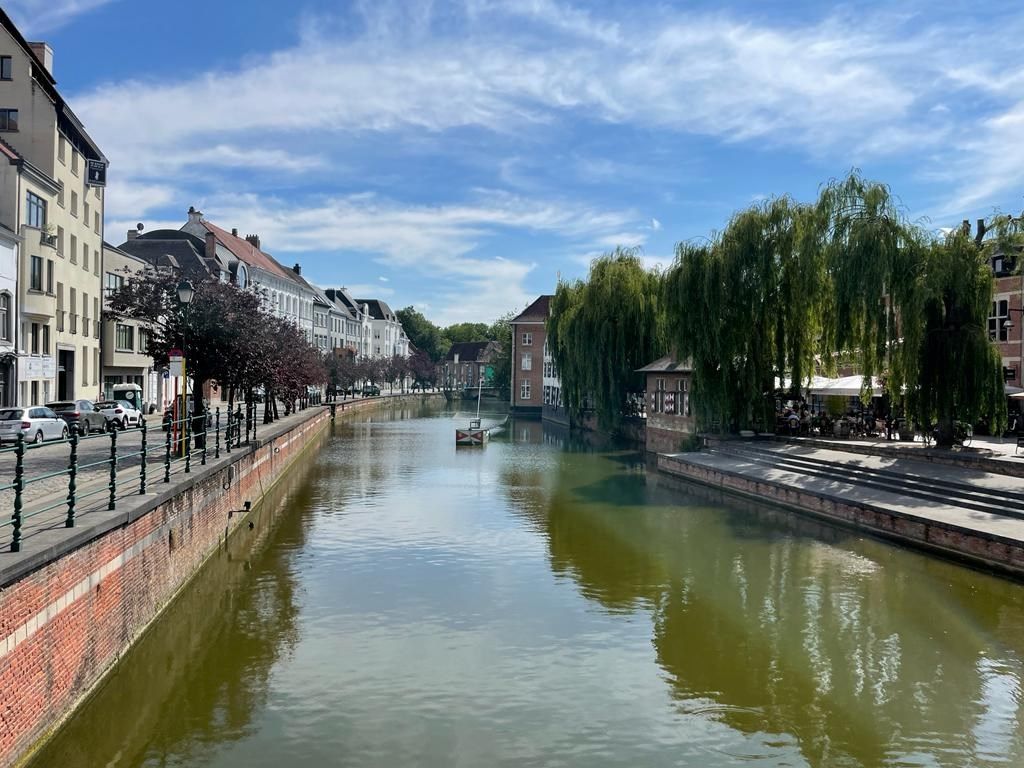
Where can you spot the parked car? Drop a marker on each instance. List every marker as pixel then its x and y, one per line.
pixel 120 414
pixel 36 423
pixel 371 390
pixel 81 415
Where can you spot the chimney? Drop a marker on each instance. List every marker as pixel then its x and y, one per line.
pixel 234 231
pixel 297 269
pixel 194 216
pixel 44 53
pixel 132 234
pixel 253 240
pixel 211 245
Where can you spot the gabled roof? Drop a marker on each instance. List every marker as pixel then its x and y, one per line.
pixel 252 256
pixel 343 300
pixel 667 364
pixel 379 310
pixel 472 351
pixel 537 312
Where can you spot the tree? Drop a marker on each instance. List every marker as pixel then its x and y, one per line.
pixel 422 369
pixel 423 334
pixel 464 332
pixel 601 330
pixel 501 332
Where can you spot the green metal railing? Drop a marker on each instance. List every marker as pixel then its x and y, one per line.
pixel 186 440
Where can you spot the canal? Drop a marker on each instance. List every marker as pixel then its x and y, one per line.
pixel 540 603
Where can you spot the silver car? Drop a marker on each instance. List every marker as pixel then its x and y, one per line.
pixel 36 423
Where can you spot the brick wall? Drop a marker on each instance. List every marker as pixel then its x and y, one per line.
pixel 535 376
pixel 63 625
pixel 960 543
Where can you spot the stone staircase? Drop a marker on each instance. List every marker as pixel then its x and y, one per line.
pixel 903 481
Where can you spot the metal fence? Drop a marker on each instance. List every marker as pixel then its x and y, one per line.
pixel 183 442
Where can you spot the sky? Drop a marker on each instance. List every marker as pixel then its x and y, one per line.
pixel 464 155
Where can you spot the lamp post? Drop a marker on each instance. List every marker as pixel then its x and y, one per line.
pixel 185 293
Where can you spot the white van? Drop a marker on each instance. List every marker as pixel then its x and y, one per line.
pixel 132 393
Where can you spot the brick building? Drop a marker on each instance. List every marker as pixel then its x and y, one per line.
pixel 469 361
pixel 529 335
pixel 1005 324
pixel 669 413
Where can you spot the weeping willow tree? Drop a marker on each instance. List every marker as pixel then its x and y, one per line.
pixel 602 329
pixel 745 309
pixel 788 289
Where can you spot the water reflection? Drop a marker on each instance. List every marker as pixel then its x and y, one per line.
pixel 231 626
pixel 827 648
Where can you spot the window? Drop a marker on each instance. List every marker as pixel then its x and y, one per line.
pixel 60 241
pixel 49 276
pixel 125 338
pixel 96 263
pixel 524 390
pixel 683 397
pixel 6 68
pixel 96 222
pixel 8 119
pixel 35 338
pixel 85 313
pixel 527 362
pixel 113 282
pixel 85 256
pixel 85 366
pixel 527 339
pixel 74 161
pixel 74 203
pixel 36 275
pixel 35 211
pixel 997 330
pixel 46 340
pixel 5 316
pixel 62 148
pixel 96 314
pixel 85 212
pixel 143 340
pixel 73 250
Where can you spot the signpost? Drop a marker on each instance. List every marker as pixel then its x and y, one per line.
pixel 179 413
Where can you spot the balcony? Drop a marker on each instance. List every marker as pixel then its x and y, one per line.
pixel 38 303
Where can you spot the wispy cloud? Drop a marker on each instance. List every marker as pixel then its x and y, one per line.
pixel 35 17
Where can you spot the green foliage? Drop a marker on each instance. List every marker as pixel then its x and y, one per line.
pixel 462 332
pixel 423 334
pixel 602 329
pixel 787 289
pixel 501 332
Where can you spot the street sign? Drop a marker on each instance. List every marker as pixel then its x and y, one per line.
pixel 175 368
pixel 97 174
pixel 167 374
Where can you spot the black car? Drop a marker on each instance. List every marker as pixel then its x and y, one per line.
pixel 81 415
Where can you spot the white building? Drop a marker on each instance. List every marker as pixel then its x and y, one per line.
pixel 53 197
pixel 388 336
pixel 358 326
pixel 9 242
pixel 284 291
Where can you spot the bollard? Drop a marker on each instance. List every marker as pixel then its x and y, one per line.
pixel 142 467
pixel 167 455
pixel 112 504
pixel 216 434
pixel 19 485
pixel 72 480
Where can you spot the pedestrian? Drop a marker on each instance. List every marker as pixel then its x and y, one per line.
pixel 888 426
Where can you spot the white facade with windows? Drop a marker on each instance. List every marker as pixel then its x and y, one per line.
pixel 9 243
pixel 126 357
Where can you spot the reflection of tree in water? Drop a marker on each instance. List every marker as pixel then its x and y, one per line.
pixel 861 652
pixel 200 674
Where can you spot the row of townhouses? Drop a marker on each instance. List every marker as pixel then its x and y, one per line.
pixel 56 267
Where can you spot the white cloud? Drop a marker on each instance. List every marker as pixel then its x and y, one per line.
pixel 655 225
pixel 34 17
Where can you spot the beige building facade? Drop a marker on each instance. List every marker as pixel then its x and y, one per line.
pixel 126 358
pixel 58 210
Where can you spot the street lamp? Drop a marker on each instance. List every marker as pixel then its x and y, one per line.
pixel 185 294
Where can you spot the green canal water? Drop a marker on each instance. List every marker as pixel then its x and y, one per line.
pixel 541 603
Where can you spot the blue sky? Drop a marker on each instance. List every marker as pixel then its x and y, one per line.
pixel 460 155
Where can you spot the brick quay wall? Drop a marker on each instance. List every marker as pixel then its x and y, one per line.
pixel 71 610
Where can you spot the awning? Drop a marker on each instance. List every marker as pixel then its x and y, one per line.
pixel 1012 391
pixel 844 386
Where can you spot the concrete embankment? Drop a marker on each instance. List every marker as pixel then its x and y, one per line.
pixel 73 603
pixel 969 515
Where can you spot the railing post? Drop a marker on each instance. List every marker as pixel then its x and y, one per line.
pixel 254 420
pixel 206 431
pixel 19 485
pixel 186 432
pixel 216 434
pixel 167 453
pixel 142 467
pixel 248 421
pixel 72 480
pixel 112 504
pixel 227 433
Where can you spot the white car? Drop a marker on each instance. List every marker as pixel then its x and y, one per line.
pixel 120 414
pixel 36 423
